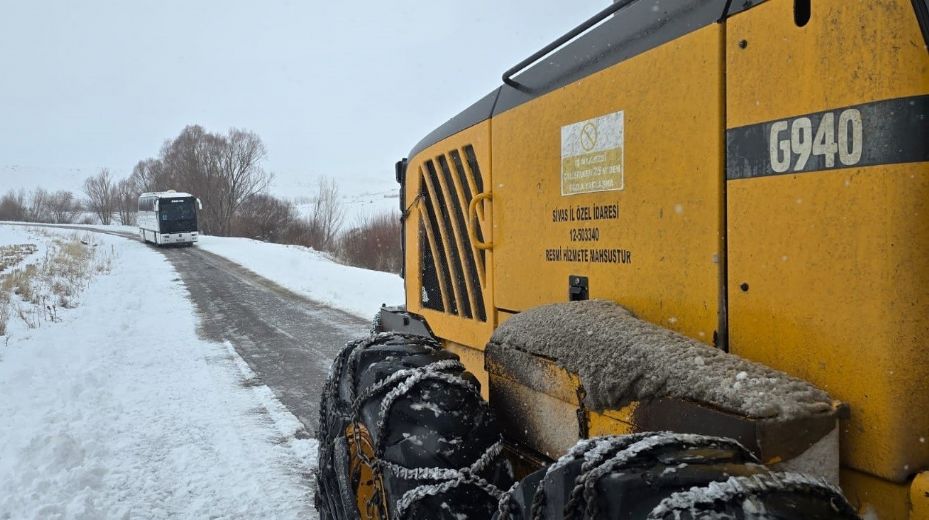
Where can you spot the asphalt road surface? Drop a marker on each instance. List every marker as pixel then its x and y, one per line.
pixel 288 341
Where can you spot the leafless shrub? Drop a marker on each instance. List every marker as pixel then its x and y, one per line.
pixel 127 201
pixel 13 206
pixel 264 217
pixel 328 213
pixel 101 195
pixel 320 228
pixel 374 243
pixel 63 207
pixel 38 208
pixel 60 207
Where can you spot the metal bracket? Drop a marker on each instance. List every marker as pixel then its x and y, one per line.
pixel 578 288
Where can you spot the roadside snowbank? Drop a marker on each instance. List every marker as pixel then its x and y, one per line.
pixel 310 273
pixel 301 269
pixel 120 411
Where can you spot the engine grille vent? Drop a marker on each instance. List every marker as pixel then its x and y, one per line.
pixel 453 269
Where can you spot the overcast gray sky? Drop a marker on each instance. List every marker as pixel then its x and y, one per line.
pixel 336 88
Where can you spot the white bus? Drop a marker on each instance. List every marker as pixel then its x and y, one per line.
pixel 168 217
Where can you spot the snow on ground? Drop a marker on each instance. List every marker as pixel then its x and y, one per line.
pixel 310 273
pixel 357 205
pixel 120 411
pixel 359 195
pixel 13 235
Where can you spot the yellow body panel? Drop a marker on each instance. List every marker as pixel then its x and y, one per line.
pixel 669 207
pixel 835 263
pixel 473 361
pixel 919 497
pixel 786 70
pixel 876 497
pixel 612 422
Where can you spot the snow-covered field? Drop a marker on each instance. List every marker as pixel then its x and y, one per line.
pixel 359 197
pixel 312 274
pixel 118 410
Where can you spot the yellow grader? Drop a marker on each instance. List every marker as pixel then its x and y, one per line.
pixel 675 266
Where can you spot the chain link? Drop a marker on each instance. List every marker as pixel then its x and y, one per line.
pixel 736 489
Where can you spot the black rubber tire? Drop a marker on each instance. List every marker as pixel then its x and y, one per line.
pixel 435 421
pixel 666 475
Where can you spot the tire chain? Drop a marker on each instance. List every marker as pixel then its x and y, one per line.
pixel 740 488
pixel 402 382
pixel 641 447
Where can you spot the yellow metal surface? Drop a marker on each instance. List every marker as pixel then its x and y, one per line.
pixel 473 361
pixel 612 422
pixel 461 330
pixel 875 497
pixel 662 240
pixel 835 265
pixel 919 497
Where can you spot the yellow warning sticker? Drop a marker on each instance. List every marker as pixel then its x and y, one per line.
pixel 592 155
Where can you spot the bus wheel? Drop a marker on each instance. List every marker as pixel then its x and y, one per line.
pixel 668 476
pixel 404 433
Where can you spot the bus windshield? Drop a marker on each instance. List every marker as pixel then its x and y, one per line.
pixel 176 209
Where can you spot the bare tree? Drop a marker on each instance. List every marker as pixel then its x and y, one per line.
pixel 127 201
pixel 63 207
pixel 101 196
pixel 222 170
pixel 13 206
pixel 149 175
pixel 327 214
pixel 234 166
pixel 37 211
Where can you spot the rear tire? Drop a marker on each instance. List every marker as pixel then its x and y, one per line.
pixel 665 476
pixel 404 433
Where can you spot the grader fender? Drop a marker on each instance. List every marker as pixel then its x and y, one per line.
pixel 597 357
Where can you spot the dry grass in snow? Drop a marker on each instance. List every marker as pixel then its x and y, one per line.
pixel 34 286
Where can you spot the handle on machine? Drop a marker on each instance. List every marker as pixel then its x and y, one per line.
pixel 472 218
pixel 573 33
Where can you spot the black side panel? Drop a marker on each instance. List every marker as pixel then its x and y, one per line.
pixel 922 14
pixel 642 26
pixel 737 6
pixel 396 319
pixel 891 131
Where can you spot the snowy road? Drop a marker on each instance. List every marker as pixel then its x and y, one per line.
pixel 287 340
pixel 117 409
